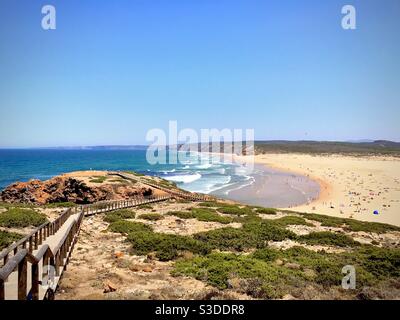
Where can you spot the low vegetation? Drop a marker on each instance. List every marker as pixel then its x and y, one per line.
pixel 60 205
pixel 126 227
pixel 21 217
pixel 235 210
pixel 209 215
pixel 135 173
pixel 7 238
pixel 119 214
pixel 99 179
pixel 271 273
pixel 379 147
pixel 255 234
pixel 263 210
pixel 263 272
pixel 290 220
pixel 328 238
pixel 201 214
pixel 350 224
pixel 253 276
pixel 165 246
pixel 151 216
pixel 145 206
pixel 7 205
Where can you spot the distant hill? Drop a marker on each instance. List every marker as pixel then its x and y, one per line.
pixel 376 147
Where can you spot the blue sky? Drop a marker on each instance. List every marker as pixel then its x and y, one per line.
pixel 113 70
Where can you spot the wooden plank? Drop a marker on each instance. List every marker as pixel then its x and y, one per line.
pixel 35 282
pixel 22 279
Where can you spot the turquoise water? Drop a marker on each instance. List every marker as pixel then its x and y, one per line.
pixel 196 174
pixel 199 172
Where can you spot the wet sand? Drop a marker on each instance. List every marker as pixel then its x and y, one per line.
pixel 273 188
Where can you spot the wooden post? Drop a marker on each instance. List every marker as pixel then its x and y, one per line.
pixel 35 281
pixel 30 245
pixel 36 240
pixel 53 264
pixel 57 263
pixel 22 279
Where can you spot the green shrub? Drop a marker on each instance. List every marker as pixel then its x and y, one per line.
pixel 234 210
pixel 380 262
pixel 100 179
pixel 21 217
pixel 328 238
pixel 181 214
pixel 16 205
pixel 135 173
pixel 326 221
pixel 266 280
pixel 166 246
pixel 145 206
pixel 202 214
pixel 265 210
pixel 60 205
pixel 254 234
pixel 119 215
pixel 123 226
pixel 7 238
pixel 209 215
pixel 351 224
pixel 291 220
pixel 228 239
pixel 214 204
pixel 268 231
pixel 151 216
pixel 356 225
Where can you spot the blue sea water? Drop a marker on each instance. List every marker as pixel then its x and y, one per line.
pixel 198 173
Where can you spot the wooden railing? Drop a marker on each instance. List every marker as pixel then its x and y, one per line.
pixel 105 206
pixel 37 236
pixel 24 260
pixel 32 255
pixel 177 193
pixel 21 257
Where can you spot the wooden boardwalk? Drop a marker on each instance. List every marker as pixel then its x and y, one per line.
pixel 32 267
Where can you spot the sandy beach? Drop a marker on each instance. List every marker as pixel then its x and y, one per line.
pixel 350 187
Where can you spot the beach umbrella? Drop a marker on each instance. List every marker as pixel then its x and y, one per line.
pixel 376 212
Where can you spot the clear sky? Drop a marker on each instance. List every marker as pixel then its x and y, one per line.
pixel 114 69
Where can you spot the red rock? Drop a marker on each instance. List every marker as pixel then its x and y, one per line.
pixel 68 189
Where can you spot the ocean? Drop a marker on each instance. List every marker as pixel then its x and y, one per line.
pixel 198 173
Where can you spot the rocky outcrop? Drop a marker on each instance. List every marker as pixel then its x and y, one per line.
pixel 68 189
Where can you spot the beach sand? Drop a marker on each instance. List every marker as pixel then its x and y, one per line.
pixel 350 187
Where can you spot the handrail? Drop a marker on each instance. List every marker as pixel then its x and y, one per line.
pixel 59 256
pixel 9 267
pixel 37 236
pixel 187 195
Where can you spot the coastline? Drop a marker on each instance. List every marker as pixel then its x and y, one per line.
pixel 350 187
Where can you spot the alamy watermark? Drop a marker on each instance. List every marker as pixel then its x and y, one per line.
pixel 49 18
pixel 349 280
pixel 349 20
pixel 178 146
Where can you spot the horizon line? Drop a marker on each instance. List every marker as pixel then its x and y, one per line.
pixel 355 141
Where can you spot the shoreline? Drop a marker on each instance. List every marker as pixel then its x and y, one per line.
pixel 350 187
